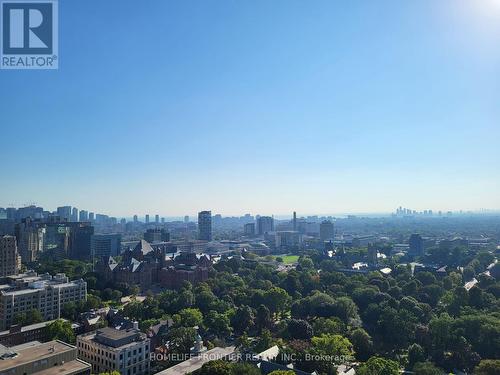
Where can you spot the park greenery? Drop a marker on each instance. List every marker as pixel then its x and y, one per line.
pixel 421 321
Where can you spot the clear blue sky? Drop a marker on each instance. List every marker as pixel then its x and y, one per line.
pixel 261 106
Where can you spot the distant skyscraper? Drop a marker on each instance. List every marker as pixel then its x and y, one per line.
pixel 163 220
pixel 249 229
pixel 294 220
pixel 264 224
pixel 326 231
pixel 416 245
pixel 74 214
pixel 205 225
pixel 157 219
pixel 135 219
pixel 10 259
pixel 84 215
pixel 186 219
pixel 64 212
pixel 147 219
pixel 91 216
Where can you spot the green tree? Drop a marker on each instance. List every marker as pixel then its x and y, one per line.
pixel 265 341
pixel 276 299
pixel 181 339
pixel 379 366
pixel 426 368
pixel 329 325
pixel 346 309
pixel 243 319
pixel 328 351
pixel 190 317
pixel 217 367
pixel 243 368
pixel 415 354
pixel 61 330
pixel 30 317
pixel 488 367
pixel 362 343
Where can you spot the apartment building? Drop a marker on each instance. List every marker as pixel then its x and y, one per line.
pixel 48 294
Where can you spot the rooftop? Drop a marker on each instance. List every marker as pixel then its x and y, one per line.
pixel 72 367
pixel 34 353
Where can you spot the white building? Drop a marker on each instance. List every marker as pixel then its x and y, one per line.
pixel 108 349
pixel 45 293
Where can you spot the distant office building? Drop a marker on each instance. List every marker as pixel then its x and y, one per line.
pixel 249 229
pixel 10 261
pixel 157 219
pixel 205 225
pixel 288 239
pixel 30 237
pixel 157 235
pixel 84 215
pixel 64 212
pixel 136 219
pixel 264 224
pixel 326 231
pixel 46 293
pixel 74 214
pixel 147 219
pixel 186 219
pixel 11 213
pixel 29 211
pixel 49 358
pixel 416 243
pixel 294 221
pixel 108 349
pixel 163 220
pixel 80 240
pixel 91 217
pixel 105 245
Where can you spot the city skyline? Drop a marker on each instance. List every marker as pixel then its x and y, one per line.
pixel 155 217
pixel 264 107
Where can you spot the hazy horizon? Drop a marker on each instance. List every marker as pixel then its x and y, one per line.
pixel 266 107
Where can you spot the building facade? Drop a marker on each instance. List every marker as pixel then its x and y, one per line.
pixel 48 294
pixel 103 245
pixel 10 261
pixel 108 349
pixel 326 231
pixel 265 224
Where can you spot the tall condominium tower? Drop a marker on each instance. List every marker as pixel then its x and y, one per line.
pixel 205 225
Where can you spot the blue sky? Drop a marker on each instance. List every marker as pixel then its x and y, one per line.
pixel 171 107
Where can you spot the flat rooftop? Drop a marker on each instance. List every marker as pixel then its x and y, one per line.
pixel 34 353
pixel 115 334
pixel 69 368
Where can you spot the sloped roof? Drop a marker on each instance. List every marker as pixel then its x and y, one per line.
pixel 143 246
